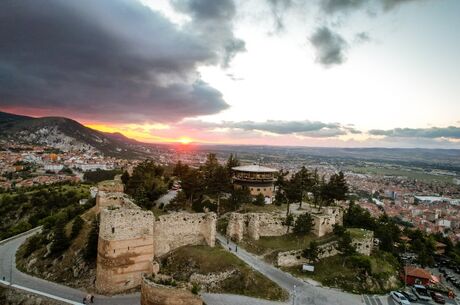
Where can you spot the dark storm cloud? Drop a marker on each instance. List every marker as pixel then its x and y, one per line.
pixel 106 59
pixel 330 47
pixel 301 128
pixel 213 21
pixel 432 133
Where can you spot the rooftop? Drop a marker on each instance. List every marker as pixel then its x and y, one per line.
pixel 254 168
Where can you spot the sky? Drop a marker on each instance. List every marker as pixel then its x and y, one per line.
pixel 347 73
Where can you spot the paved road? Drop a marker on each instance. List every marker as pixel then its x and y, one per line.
pixel 305 293
pixel 166 198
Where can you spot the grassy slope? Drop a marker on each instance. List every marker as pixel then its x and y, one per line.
pixel 187 260
pixel 333 272
pixel 60 270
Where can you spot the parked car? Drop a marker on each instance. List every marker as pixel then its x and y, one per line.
pixel 421 292
pixel 411 297
pixel 438 298
pixel 399 298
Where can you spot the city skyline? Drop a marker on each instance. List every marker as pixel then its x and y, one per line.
pixel 280 72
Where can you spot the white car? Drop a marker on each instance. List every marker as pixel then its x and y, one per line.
pixel 399 298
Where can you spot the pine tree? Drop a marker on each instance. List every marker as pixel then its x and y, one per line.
pixel 312 252
pixel 303 224
pixel 76 227
pixel 91 245
pixel 60 240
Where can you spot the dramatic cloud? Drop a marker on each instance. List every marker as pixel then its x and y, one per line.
pixel 278 8
pixel 451 132
pixel 334 6
pixel 330 47
pixel 110 59
pixel 213 21
pixel 362 37
pixel 300 128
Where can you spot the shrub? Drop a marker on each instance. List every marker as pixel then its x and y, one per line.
pixel 303 224
pixel 76 227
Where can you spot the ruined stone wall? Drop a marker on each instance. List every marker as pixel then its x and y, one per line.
pixel 113 199
pixel 125 249
pixel 255 225
pixel 179 229
pixel 155 294
pixel 111 186
pixel 294 257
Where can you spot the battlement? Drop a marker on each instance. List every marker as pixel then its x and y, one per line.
pixel 111 186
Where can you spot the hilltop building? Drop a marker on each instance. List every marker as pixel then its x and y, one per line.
pixel 257 179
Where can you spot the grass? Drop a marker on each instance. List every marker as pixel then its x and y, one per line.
pixel 183 262
pixel 268 208
pixel 357 233
pixel 334 271
pixel 268 244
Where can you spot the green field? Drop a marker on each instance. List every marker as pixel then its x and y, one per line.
pixel 411 174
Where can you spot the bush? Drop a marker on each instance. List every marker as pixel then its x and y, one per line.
pixel 260 199
pixel 32 244
pixel 60 240
pixel 91 245
pixel 360 262
pixel 76 227
pixel 195 288
pixel 303 224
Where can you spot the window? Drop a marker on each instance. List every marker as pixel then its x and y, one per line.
pixel 113 230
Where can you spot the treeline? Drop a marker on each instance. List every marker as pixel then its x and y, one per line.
pixel 147 183
pixel 100 175
pixel 22 210
pixel 209 186
pixel 307 185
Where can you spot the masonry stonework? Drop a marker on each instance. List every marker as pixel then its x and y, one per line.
pixel 179 229
pixel 125 249
pixel 155 294
pixel 256 225
pixel 294 257
pixel 130 239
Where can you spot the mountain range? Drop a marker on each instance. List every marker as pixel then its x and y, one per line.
pixel 65 134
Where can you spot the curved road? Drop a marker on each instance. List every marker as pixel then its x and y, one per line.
pixel 304 293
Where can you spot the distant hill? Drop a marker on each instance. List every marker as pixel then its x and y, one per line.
pixel 65 134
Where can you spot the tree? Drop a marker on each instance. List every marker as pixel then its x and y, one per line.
pixel 90 253
pixel 303 224
pixel 180 170
pixel 231 163
pixel 60 240
pixel 312 252
pixel 76 227
pixel 238 196
pixel 178 202
pixel 338 230
pixel 260 199
pixel 125 177
pixel 345 245
pixel 289 221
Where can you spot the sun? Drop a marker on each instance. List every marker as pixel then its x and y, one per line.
pixel 184 140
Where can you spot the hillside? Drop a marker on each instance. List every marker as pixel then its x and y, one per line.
pixel 65 134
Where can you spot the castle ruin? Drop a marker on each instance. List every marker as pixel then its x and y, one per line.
pixel 256 225
pixel 131 238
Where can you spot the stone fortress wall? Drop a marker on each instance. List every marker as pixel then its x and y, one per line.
pixel 363 245
pixel 179 229
pixel 130 238
pixel 256 225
